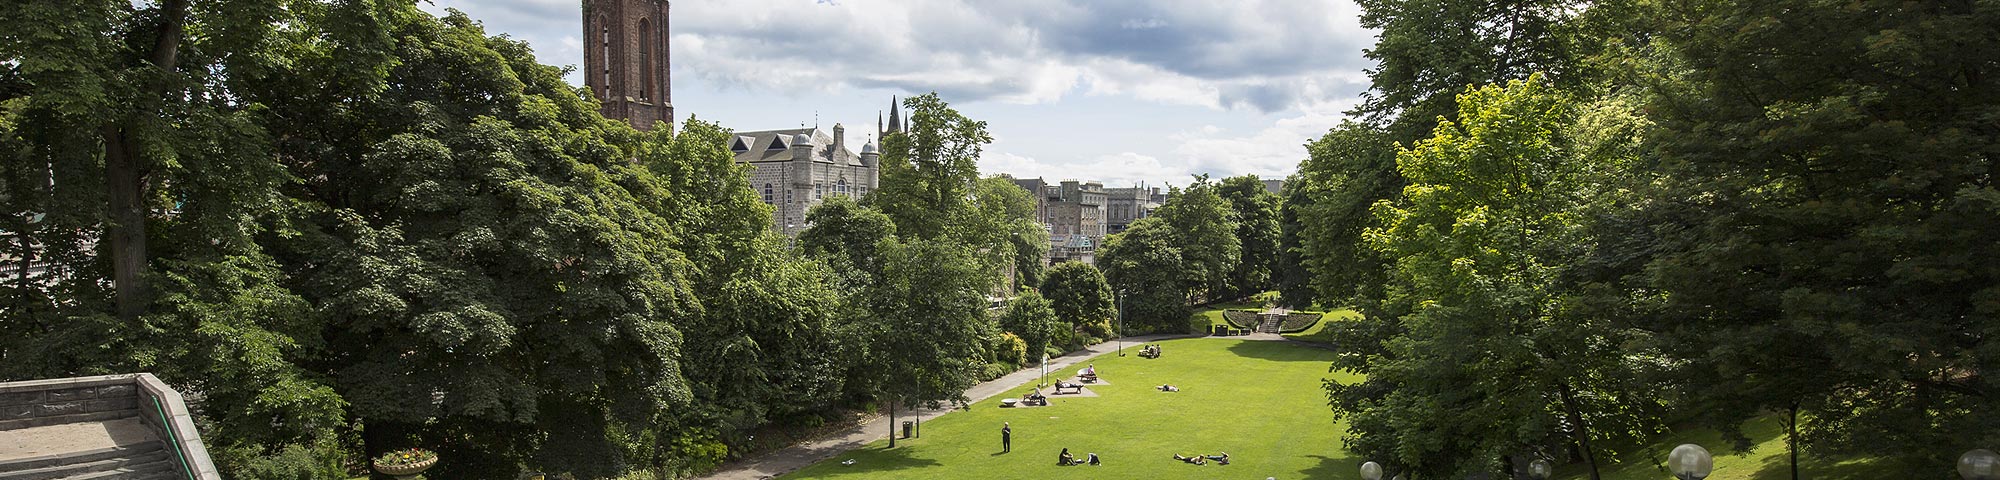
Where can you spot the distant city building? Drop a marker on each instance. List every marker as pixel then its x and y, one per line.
pixel 795 169
pixel 625 60
pixel 1126 205
pixel 1275 186
pixel 1074 213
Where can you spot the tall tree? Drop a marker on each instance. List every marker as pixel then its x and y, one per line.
pixel 927 324
pixel 1008 230
pixel 1492 360
pixel 1346 173
pixel 1288 271
pixel 1028 316
pixel 1835 163
pixel 929 170
pixel 1202 226
pixel 1147 271
pixel 1081 298
pixel 1256 213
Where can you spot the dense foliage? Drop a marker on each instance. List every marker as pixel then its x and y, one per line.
pixel 348 227
pixel 1571 225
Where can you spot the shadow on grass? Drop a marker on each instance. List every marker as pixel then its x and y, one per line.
pixel 1329 467
pixel 1280 351
pixel 875 459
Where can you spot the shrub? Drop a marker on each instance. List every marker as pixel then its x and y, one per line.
pixel 1299 321
pixel 1010 350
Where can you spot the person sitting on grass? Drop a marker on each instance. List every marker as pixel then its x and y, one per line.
pixel 1222 459
pixel 1196 459
pixel 1093 458
pixel 1065 458
pixel 1169 388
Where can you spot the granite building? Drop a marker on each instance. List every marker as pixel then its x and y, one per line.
pixel 1074 213
pixel 795 169
pixel 1126 205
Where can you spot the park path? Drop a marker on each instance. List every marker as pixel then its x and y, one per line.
pixel 784 460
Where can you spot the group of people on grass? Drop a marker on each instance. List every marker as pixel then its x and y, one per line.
pixel 1089 374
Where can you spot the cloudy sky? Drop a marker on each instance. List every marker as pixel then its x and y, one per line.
pixel 1119 91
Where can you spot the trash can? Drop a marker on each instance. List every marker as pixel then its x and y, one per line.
pixel 907 425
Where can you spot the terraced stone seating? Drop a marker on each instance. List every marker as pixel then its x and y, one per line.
pixel 1242 318
pixel 114 427
pixel 1299 321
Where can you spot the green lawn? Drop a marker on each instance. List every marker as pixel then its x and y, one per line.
pixel 1260 401
pixel 1766 459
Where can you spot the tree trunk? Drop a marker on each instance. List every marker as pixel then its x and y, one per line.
pixel 1792 439
pixel 125 177
pixel 1581 430
pixel 892 424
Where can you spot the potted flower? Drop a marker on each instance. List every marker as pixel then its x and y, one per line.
pixel 406 464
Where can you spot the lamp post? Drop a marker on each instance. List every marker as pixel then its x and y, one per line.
pixel 1371 471
pixel 1540 469
pixel 1690 462
pixel 1981 464
pixel 1120 300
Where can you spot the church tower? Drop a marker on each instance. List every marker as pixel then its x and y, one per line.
pixel 625 60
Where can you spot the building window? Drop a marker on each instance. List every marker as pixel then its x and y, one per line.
pixel 604 49
pixel 767 193
pixel 645 59
pixel 840 188
pixel 819 190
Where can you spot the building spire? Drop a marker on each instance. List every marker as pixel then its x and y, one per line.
pixel 895 116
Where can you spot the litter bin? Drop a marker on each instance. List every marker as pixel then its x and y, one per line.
pixel 906 428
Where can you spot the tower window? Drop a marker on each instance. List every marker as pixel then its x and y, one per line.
pixel 645 59
pixel 767 193
pixel 604 49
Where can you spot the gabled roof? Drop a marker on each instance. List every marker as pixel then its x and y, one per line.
pixel 776 146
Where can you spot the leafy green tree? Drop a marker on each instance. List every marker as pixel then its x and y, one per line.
pixel 1203 228
pixel 1831 169
pixel 927 325
pixel 1081 299
pixel 1145 266
pixel 1288 271
pixel 766 346
pixel 471 230
pixel 1007 218
pixel 930 170
pixel 1430 50
pixel 138 185
pixel 1030 317
pixel 1494 361
pixel 1346 172
pixel 848 237
pixel 1256 213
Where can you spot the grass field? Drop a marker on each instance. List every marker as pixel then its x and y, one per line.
pixel 1258 400
pixel 1765 460
pixel 1318 333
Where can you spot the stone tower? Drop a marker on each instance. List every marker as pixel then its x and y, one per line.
pixel 625 60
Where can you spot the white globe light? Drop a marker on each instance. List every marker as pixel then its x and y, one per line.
pixel 1540 469
pixel 1690 461
pixel 1981 464
pixel 1371 471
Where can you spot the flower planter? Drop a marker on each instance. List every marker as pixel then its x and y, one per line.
pixel 406 471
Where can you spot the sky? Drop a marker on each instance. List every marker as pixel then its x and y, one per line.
pixel 1116 91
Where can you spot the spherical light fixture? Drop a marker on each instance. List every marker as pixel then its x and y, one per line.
pixel 1981 464
pixel 1690 462
pixel 1371 471
pixel 1540 469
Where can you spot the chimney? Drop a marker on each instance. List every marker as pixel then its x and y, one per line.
pixel 839 141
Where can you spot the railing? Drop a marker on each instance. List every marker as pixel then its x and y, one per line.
pixel 177 428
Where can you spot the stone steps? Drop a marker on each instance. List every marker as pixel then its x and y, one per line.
pixel 145 461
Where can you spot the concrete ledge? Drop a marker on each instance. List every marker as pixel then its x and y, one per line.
pixel 160 408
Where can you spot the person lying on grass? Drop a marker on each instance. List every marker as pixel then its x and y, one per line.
pixel 1222 459
pixel 1169 388
pixel 1196 459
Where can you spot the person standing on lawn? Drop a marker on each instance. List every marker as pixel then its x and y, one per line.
pixel 1006 437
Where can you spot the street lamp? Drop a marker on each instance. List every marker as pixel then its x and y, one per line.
pixel 1981 464
pixel 1371 471
pixel 1540 469
pixel 1690 462
pixel 1120 300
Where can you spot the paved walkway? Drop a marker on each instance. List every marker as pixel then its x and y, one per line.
pixel 778 462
